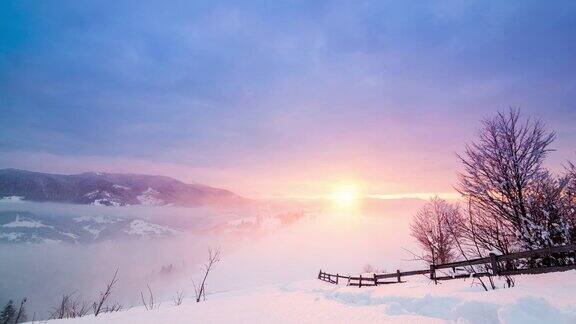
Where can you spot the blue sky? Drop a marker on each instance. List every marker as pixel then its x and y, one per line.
pixel 273 98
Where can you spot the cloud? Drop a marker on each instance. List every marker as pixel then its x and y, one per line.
pixel 263 87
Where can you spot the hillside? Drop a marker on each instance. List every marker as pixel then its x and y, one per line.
pixel 109 189
pixel 535 299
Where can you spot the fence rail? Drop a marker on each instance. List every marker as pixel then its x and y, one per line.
pixel 495 265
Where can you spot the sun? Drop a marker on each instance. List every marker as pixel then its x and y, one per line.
pixel 346 195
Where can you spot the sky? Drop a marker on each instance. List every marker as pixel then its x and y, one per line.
pixel 278 98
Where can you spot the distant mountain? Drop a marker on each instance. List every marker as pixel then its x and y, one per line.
pixel 109 189
pixel 27 227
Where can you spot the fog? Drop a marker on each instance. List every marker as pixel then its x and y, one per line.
pixel 334 240
pixel 192 218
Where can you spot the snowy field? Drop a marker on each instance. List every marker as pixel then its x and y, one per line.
pixel 548 298
pixel 269 277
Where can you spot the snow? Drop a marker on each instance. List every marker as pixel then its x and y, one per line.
pixel 106 198
pixel 140 227
pixel 96 219
pixel 18 222
pixel 92 230
pixel 11 199
pixel 106 202
pixel 115 186
pixel 535 299
pixel 11 236
pixel 270 277
pixel 92 223
pixel 148 198
pixel 71 235
pixel 47 240
pixel 92 194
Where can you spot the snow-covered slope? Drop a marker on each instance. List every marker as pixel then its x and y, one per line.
pixel 549 298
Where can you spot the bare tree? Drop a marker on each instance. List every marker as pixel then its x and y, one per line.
pixel 480 233
pixel 150 304
pixel 430 229
pixel 99 305
pixel 116 307
pixel 200 290
pixel 456 230
pixel 69 307
pixel 500 169
pixel 178 298
pixel 21 314
pixel 469 246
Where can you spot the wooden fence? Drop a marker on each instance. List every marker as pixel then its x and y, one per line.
pixel 494 265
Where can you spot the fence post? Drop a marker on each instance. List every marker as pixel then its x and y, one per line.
pixel 494 263
pixel 432 273
pixel 337 275
pixel 375 280
pixel 319 273
pixel 360 282
pixel 398 275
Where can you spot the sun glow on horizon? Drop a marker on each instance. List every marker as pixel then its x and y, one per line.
pixel 346 196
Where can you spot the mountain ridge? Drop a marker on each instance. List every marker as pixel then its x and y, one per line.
pixel 110 189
